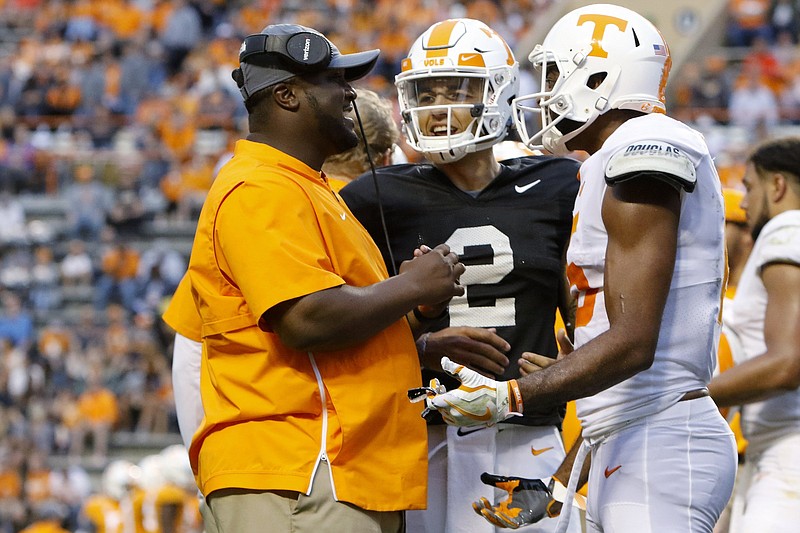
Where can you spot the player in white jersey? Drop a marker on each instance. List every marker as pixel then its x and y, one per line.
pixel 765 319
pixel 646 263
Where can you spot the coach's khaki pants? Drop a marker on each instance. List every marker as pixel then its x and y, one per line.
pixel 245 511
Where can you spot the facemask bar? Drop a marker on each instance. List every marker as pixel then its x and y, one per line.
pixel 539 104
pixel 482 128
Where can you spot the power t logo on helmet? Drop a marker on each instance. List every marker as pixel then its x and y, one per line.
pixel 456 88
pixel 594 59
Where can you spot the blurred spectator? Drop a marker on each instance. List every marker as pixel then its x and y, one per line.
pixel 12 508
pixel 116 281
pixel 15 269
pixel 748 19
pixel 761 58
pixel 99 412
pixel 12 213
pixel 784 18
pixel 89 203
pixel 128 212
pixel 55 342
pixel 44 294
pixel 753 104
pixel 16 324
pixel 169 261
pixel 160 269
pixel 18 160
pixel 81 25
pixel 185 188
pixel 76 265
pixel 36 486
pixel 784 51
pixel 63 96
pixel 181 34
pixel 711 90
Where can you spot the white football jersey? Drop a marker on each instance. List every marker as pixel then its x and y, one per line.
pixel 778 416
pixel 686 351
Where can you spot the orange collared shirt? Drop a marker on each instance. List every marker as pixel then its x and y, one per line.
pixel 272 230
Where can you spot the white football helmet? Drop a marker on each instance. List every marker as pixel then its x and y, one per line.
pixel 477 73
pixel 152 472
pixel 119 477
pixel 176 468
pixel 607 57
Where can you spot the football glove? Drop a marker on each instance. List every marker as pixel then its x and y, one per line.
pixel 528 501
pixel 479 401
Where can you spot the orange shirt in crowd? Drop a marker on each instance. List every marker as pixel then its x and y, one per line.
pixel 98 406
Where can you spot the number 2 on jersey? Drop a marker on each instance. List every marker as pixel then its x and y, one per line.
pixel 503 312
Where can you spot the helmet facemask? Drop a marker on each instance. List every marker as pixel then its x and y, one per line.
pixel 455 90
pixel 566 84
pixel 600 57
pixel 446 117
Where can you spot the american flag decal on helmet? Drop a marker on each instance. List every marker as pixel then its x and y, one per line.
pixel 660 49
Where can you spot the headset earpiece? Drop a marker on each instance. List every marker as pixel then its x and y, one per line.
pixel 238 77
pixel 304 51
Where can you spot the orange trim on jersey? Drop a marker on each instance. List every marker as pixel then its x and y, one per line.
pixel 585 308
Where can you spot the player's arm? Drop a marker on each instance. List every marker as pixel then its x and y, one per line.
pixel 778 368
pixel 641 216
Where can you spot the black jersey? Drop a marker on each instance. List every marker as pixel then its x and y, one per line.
pixel 511 236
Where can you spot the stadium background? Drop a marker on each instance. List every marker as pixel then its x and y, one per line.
pixel 114 115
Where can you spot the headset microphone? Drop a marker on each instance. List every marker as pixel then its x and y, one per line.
pixel 377 189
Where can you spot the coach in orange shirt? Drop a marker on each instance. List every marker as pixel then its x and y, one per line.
pixel 301 324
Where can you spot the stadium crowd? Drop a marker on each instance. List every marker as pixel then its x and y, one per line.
pixel 123 110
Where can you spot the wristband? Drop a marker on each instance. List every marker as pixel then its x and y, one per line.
pixel 422 318
pixel 515 397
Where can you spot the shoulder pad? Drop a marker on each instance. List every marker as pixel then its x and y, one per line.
pixel 657 157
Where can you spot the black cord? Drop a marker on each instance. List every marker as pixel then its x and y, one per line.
pixel 377 189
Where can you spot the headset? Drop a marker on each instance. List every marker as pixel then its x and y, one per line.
pixel 301 52
pixel 304 51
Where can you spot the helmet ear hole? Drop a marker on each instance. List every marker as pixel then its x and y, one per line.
pixel 596 79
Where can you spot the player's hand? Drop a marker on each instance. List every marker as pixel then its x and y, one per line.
pixel 527 502
pixel 433 275
pixel 531 362
pixel 480 349
pixel 479 401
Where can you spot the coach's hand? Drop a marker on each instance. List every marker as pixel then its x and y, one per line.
pixel 527 502
pixel 479 401
pixel 480 349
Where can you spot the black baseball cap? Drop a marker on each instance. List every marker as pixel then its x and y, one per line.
pixel 282 51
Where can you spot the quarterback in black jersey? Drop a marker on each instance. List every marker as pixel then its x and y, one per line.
pixel 511 235
pixel 509 222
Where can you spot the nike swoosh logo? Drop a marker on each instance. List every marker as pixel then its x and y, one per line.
pixel 526 187
pixel 468 57
pixel 485 417
pixel 610 471
pixel 343 215
pixel 461 433
pixel 534 451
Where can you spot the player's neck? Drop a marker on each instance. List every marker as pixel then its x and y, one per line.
pixel 473 172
